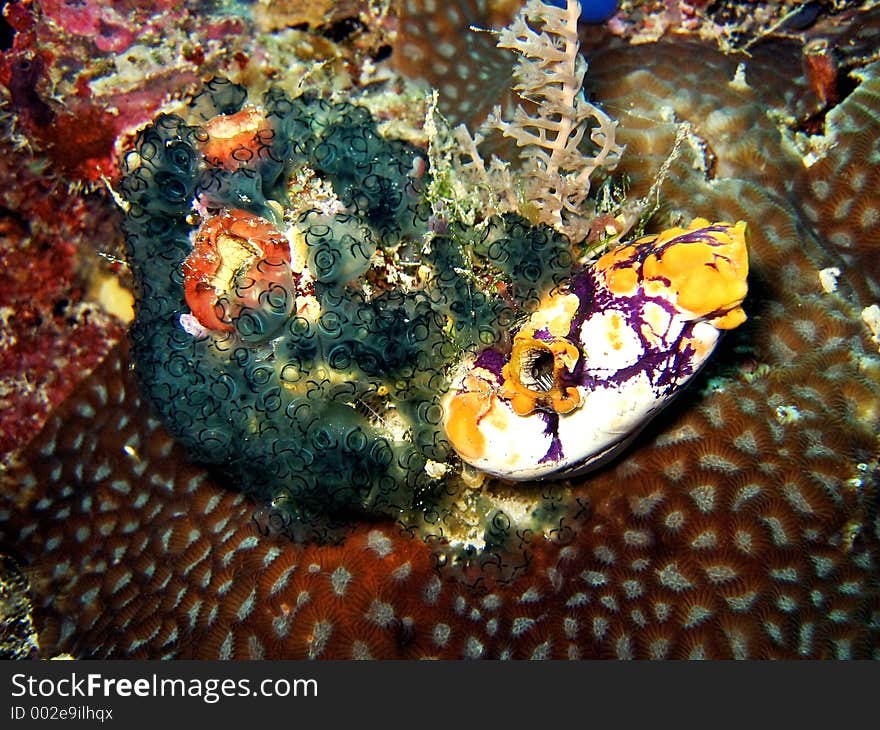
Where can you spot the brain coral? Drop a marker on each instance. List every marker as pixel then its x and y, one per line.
pixel 837 195
pixel 743 524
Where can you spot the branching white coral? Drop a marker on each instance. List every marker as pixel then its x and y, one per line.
pixel 549 74
pixel 462 185
pixel 563 139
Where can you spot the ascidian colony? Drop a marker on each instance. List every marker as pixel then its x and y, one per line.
pixel 308 350
pixel 335 345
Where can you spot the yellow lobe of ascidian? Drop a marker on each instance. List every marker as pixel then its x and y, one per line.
pixel 615 327
pixel 555 315
pixel 465 410
pixel 708 276
pixel 705 277
pixel 236 255
pixel 656 324
pixel 621 273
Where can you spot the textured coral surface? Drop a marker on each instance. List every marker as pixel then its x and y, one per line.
pixel 51 330
pixel 742 524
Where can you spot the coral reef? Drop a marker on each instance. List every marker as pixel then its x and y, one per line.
pixel 55 320
pixel 837 193
pixel 82 77
pixel 731 24
pixel 742 523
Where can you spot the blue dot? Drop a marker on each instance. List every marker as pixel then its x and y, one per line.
pixel 592 11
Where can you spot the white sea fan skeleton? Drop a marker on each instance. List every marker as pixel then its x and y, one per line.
pixel 549 73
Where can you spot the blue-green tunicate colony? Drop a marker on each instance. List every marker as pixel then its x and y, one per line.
pixel 335 413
